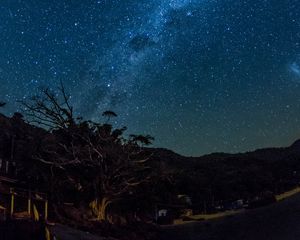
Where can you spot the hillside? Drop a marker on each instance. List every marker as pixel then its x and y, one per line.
pixel 223 177
pixel 209 178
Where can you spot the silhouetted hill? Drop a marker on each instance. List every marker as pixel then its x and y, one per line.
pixel 221 176
pixel 267 154
pixel 209 178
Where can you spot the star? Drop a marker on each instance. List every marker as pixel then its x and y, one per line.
pixel 198 75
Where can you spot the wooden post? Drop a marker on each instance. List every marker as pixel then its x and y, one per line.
pixel 46 210
pixel 156 213
pixel 12 202
pixel 29 204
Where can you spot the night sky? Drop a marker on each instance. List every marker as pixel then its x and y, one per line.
pixel 199 75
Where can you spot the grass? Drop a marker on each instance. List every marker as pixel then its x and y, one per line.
pixel 288 194
pixel 204 217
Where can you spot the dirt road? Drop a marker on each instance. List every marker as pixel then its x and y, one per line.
pixel 279 221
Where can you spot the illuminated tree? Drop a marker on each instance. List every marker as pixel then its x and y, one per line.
pixel 92 159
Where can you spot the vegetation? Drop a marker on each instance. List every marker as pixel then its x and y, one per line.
pixel 106 176
pixel 109 115
pixel 85 158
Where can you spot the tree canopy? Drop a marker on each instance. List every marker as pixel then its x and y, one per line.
pixel 86 158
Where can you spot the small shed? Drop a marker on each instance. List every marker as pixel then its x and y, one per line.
pixel 162 212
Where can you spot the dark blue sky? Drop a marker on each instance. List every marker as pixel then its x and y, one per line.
pixel 199 75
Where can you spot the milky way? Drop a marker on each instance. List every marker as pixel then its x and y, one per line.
pixel 198 75
pixel 294 68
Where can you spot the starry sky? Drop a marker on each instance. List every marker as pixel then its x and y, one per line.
pixel 199 75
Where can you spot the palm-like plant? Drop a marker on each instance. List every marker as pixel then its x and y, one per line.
pixel 2 104
pixel 144 140
pixel 109 115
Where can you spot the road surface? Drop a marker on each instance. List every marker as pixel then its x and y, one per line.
pixel 279 221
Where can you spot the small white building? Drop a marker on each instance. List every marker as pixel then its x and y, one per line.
pixel 162 212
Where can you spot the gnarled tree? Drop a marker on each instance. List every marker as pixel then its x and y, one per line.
pixel 85 158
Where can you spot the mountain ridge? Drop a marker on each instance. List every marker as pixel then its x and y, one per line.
pixel 274 152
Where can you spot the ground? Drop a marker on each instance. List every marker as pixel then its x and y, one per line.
pixel 66 233
pixel 275 222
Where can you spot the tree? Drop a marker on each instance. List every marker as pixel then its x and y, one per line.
pixel 109 115
pixel 50 111
pixel 145 140
pixel 88 159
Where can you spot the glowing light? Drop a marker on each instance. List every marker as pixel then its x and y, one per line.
pixel 295 68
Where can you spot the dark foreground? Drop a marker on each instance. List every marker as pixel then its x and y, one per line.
pixel 22 230
pixel 279 221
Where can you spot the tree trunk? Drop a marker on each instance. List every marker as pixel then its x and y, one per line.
pixel 99 207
